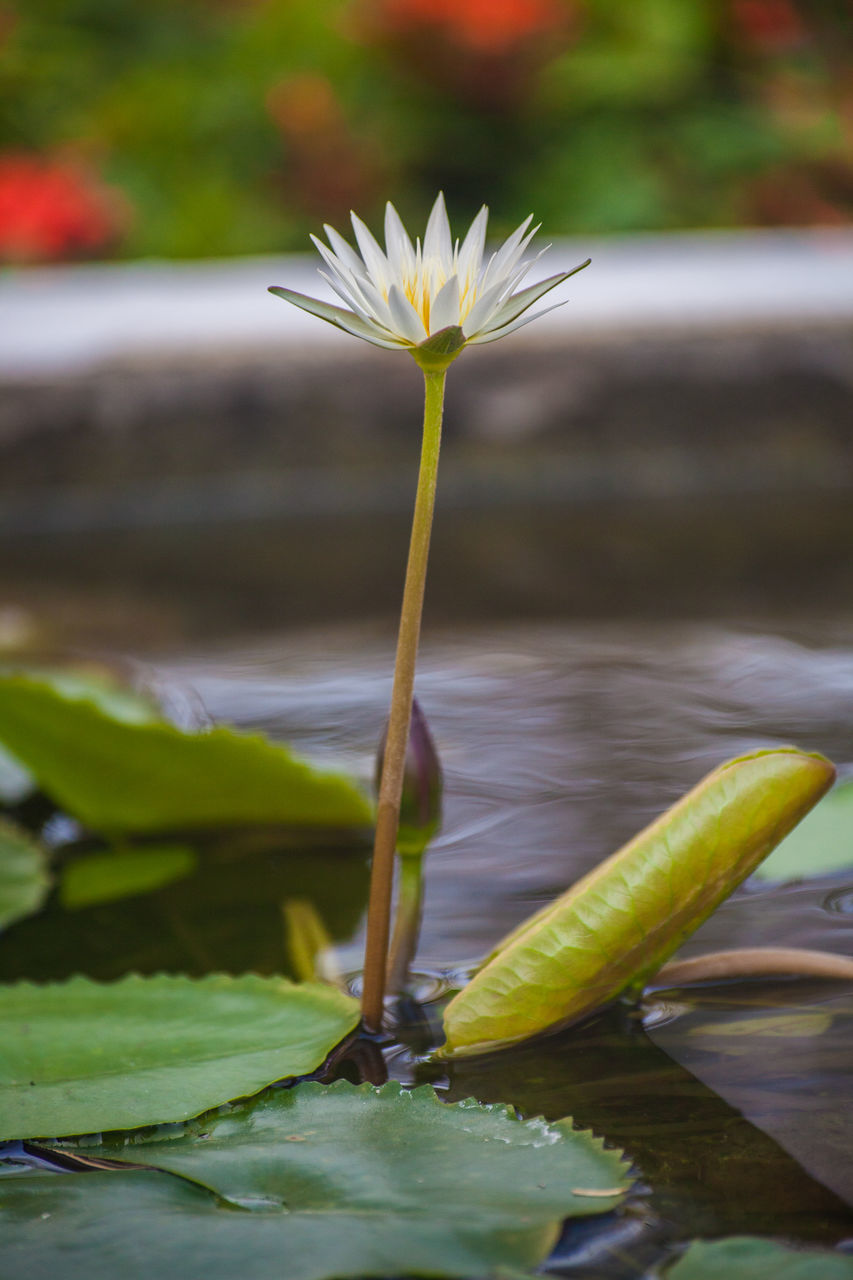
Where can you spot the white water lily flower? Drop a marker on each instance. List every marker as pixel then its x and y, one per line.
pixel 430 299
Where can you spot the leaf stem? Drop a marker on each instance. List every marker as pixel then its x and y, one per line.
pixel 391 785
pixel 753 962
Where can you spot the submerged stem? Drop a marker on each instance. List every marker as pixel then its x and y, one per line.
pixel 407 924
pixel 391 785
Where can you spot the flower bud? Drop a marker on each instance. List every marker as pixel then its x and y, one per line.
pixel 420 807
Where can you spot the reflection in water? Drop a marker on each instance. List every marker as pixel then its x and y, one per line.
pixel 781 1053
pixel 226 917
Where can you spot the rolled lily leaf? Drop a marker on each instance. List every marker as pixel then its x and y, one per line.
pixel 618 925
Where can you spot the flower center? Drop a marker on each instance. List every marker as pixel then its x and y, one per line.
pixel 423 284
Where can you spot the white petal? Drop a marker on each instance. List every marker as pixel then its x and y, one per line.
pixel 515 279
pixel 338 317
pixel 492 335
pixel 445 306
pixel 361 294
pixel 503 261
pixel 349 297
pixel 375 304
pixel 359 291
pixel 349 279
pixel 374 258
pixel 345 252
pixel 471 254
pixel 398 245
pixel 437 241
pixel 519 302
pixel 406 320
pixel 484 308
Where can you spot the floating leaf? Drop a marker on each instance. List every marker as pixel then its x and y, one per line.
pixel 105 877
pixel 24 880
pixel 332 1182
pixel 617 925
pixel 821 844
pixel 750 1258
pixel 100 686
pixel 79 1056
pixel 119 774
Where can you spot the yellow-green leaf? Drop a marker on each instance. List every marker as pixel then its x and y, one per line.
pixel 617 925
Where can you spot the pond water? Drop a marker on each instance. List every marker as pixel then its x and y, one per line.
pixel 558 740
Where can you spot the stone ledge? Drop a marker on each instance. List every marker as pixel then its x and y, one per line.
pixel 685 364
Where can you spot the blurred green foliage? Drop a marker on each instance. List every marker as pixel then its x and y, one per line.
pixel 205 127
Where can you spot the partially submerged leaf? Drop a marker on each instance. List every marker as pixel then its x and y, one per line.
pixel 120 774
pixel 751 1258
pixel 319 1182
pixel 106 877
pixel 24 880
pixel 821 844
pixel 80 1057
pixel 618 924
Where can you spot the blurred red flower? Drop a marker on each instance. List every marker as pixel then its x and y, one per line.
pixel 484 26
pixel 769 26
pixel 53 208
pixel 483 52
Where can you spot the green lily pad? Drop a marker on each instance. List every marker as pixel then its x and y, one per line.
pixel 100 686
pixel 751 1258
pixel 117 772
pixel 96 685
pixel 24 880
pixel 319 1182
pixel 821 844
pixel 615 928
pixel 80 1056
pixel 107 877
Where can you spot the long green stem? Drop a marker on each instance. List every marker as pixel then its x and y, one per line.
pixel 391 784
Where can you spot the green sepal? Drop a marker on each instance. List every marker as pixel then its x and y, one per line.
pixel 440 350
